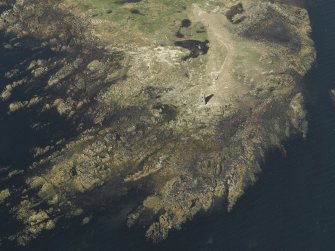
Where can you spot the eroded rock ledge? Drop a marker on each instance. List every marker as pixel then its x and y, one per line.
pixel 185 127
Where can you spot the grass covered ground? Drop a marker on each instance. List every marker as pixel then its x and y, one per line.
pixel 158 18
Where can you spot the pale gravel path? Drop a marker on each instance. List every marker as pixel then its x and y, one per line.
pixel 219 68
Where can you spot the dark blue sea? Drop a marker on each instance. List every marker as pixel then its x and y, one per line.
pixel 291 207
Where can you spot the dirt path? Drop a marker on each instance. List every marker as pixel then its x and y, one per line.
pixel 220 55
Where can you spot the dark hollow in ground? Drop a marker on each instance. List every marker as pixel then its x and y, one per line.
pixel 179 34
pixel 234 10
pixel 127 1
pixel 169 112
pixel 195 47
pixel 136 11
pixel 186 23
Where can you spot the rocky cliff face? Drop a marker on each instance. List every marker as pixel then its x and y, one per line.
pixel 181 115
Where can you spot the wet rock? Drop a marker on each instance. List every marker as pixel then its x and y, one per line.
pixel 332 94
pixel 4 194
pixel 298 113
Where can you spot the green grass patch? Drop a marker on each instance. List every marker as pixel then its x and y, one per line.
pixel 160 19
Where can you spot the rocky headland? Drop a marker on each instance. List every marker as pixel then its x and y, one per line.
pixel 170 104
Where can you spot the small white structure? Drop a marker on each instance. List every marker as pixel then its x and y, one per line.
pixel 202 97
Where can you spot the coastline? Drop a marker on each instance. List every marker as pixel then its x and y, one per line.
pixel 256 131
